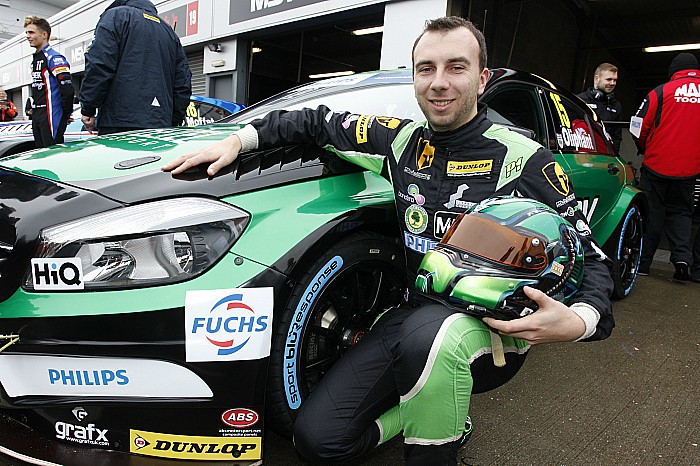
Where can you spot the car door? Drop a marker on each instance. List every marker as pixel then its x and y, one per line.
pixel 586 155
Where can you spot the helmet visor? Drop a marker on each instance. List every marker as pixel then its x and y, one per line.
pixel 491 240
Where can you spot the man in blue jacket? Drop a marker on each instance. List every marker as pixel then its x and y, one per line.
pixel 136 71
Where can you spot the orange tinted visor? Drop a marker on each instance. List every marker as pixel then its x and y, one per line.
pixel 491 240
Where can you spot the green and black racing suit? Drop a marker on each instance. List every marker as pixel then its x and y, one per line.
pixel 415 370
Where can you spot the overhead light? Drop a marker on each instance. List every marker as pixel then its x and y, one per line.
pixel 331 75
pixel 256 50
pixel 365 31
pixel 672 48
pixel 218 63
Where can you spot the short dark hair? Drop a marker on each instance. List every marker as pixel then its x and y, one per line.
pixel 40 23
pixel 450 23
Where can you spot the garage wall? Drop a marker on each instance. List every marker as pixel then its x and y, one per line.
pixel 196 61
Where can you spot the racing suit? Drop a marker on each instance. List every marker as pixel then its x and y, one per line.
pixel 415 370
pixel 52 91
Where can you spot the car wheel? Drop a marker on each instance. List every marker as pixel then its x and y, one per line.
pixel 332 306
pixel 627 252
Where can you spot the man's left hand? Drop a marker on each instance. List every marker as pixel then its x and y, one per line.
pixel 89 122
pixel 552 322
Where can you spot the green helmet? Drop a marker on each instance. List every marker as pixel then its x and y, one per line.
pixel 495 249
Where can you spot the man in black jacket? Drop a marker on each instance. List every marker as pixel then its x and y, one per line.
pixel 601 99
pixel 136 71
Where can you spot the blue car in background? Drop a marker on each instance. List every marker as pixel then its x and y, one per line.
pixel 16 136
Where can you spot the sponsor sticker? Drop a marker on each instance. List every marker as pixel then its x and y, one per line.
pixel 425 154
pixel 416 218
pixel 454 200
pixel 293 339
pixel 557 178
pixel 88 435
pixel 442 222
pixel 566 200
pixel 38 375
pixel 388 122
pixel 229 324
pixel 472 168
pixel 57 274
pixel 362 128
pixel 240 418
pixel 583 228
pixel 557 269
pixel 415 174
pixel 417 243
pixel 194 447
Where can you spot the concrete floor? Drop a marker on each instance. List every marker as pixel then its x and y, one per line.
pixel 633 399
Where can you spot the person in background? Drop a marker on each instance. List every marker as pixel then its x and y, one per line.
pixel 29 108
pixel 415 370
pixel 7 109
pixel 147 84
pixel 52 88
pixel 601 99
pixel 666 129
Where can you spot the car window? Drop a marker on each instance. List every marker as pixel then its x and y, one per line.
pixel 395 100
pixel 516 105
pixel 203 113
pixel 572 126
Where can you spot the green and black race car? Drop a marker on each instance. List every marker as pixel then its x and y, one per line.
pixel 148 315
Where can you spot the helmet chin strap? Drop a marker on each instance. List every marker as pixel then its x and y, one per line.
pixel 499 357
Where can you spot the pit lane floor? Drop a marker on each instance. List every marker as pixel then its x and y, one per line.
pixel 633 399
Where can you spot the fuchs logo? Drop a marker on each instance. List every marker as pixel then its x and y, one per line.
pixel 688 93
pixel 57 274
pixel 240 418
pixel 230 317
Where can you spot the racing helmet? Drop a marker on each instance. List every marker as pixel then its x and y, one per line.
pixel 496 248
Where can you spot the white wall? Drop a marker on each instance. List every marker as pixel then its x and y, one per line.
pixel 13 12
pixel 403 22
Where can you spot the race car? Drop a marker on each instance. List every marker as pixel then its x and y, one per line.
pixel 16 136
pixel 147 316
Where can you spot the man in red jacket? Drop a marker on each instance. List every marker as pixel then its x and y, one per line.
pixel 666 130
pixel 7 109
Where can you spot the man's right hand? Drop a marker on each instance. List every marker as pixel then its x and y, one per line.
pixel 221 154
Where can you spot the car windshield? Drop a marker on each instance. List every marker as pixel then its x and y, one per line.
pixel 395 100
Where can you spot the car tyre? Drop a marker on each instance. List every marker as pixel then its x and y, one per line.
pixel 626 252
pixel 333 304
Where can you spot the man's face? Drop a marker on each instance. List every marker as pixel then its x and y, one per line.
pixel 3 95
pixel 36 37
pixel 606 81
pixel 447 78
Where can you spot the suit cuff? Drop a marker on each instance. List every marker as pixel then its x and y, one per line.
pixel 590 317
pixel 249 138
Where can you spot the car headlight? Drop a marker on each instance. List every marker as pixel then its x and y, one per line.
pixel 148 244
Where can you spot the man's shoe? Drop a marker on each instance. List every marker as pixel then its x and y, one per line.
pixel 695 275
pixel 682 271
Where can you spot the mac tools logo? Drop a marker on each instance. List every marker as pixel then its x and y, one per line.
pixel 228 325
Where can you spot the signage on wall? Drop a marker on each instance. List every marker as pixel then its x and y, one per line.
pixel 183 19
pixel 243 10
